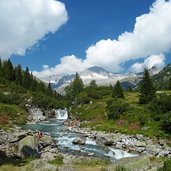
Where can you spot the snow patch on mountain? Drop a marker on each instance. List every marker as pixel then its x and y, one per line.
pixel 100 75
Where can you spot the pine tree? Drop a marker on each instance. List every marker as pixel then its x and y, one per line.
pixel 147 90
pixel 93 84
pixel 0 67
pixel 18 75
pixel 8 71
pixel 50 91
pixel 75 87
pixel 169 84
pixel 77 84
pixel 27 79
pixel 0 64
pixel 118 91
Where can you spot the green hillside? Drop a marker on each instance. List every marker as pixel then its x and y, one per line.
pixel 17 88
pixel 144 112
pixel 163 79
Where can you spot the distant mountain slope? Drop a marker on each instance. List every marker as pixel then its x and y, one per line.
pixel 162 77
pixel 100 75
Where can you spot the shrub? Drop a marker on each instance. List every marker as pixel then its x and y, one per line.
pixel 82 98
pixel 115 108
pixel 161 105
pixel 11 98
pixel 166 124
pixel 121 168
pixel 167 166
pixel 94 94
pixel 58 160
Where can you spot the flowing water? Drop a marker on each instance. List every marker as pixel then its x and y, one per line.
pixel 58 130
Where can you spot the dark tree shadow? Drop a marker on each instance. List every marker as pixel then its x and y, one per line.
pixel 27 154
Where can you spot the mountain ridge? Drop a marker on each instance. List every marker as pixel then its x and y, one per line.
pixel 100 75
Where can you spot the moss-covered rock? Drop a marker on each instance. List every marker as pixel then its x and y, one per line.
pixel 28 147
pixel 46 140
pixel 140 163
pixel 39 165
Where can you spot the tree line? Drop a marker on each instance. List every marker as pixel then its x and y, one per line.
pixel 23 78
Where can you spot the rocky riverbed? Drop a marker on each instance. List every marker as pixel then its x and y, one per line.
pixel 131 143
pixel 20 144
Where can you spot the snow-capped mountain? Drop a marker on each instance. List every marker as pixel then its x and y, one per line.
pixel 100 75
pixel 154 70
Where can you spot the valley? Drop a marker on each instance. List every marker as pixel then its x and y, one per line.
pixel 111 127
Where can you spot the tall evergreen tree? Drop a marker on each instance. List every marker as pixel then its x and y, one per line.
pixel 75 87
pixel 18 75
pixel 169 84
pixel 0 64
pixel 8 71
pixel 118 91
pixel 50 91
pixel 27 79
pixel 0 67
pixel 11 73
pixel 147 90
pixel 93 84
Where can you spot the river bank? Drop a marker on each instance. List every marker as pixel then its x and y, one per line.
pixel 131 143
pixel 19 143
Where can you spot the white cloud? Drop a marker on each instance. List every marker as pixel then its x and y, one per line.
pixel 151 35
pixel 45 67
pixel 69 64
pixel 24 22
pixel 153 60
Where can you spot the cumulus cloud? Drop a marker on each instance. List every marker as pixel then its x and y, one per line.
pixel 24 22
pixel 151 35
pixel 69 64
pixel 153 60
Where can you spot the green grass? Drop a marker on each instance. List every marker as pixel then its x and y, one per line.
pixel 11 115
pixel 121 168
pixel 58 161
pixel 138 119
pixel 91 163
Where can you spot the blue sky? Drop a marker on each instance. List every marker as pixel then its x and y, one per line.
pixel 88 22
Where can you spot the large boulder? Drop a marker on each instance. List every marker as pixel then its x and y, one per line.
pixel 40 165
pixel 108 143
pixel 140 163
pixel 46 140
pixel 79 141
pixel 17 136
pixel 36 114
pixel 28 147
pixel 140 144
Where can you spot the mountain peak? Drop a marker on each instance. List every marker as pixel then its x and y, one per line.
pixel 97 69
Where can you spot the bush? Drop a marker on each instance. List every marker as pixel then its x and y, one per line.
pixel 121 168
pixel 44 101
pixel 167 166
pixel 166 124
pixel 82 98
pixel 94 94
pixel 115 108
pixel 11 98
pixel 58 160
pixel 161 105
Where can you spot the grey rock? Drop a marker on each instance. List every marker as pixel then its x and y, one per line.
pixel 79 141
pixel 140 163
pixel 28 147
pixel 108 143
pixel 40 165
pixel 140 144
pixel 46 140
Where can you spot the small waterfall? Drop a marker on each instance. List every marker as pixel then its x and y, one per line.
pixel 61 114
